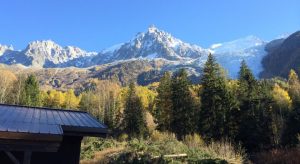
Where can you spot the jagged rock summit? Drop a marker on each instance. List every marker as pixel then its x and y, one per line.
pixel 153 44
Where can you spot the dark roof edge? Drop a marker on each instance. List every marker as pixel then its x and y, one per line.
pixel 45 108
pixel 30 136
pixel 84 131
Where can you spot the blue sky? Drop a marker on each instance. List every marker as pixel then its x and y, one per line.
pixel 96 24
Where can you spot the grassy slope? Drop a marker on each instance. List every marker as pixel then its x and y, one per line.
pixel 154 148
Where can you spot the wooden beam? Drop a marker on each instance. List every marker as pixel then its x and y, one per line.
pixel 27 157
pixel 175 155
pixel 12 157
pixel 21 145
pixel 172 156
pixel 30 136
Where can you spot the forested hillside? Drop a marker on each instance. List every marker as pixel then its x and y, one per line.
pixel 217 120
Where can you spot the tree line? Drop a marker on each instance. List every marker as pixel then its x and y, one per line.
pixel 25 90
pixel 258 114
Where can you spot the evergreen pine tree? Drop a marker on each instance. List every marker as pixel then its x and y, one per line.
pixel 255 121
pixel 292 130
pixel 247 83
pixel 247 94
pixel 265 109
pixel 31 92
pixel 134 116
pixel 245 74
pixel 184 114
pixel 219 107
pixel 164 105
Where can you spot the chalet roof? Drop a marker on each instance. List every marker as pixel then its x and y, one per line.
pixel 37 120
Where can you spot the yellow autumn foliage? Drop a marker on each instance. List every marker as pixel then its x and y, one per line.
pixel 71 100
pixel 147 96
pixel 281 97
pixel 60 99
pixel 7 78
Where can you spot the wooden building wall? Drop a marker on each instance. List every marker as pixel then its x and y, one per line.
pixel 68 153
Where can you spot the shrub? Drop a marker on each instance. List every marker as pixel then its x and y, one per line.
pixel 167 144
pixel 154 149
pixel 90 145
pixel 227 151
pixel 131 157
pixel 193 140
pixel 123 137
pixel 159 136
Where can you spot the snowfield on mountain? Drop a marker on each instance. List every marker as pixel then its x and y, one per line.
pixel 153 44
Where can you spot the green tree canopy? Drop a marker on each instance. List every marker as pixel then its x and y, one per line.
pixel 164 103
pixel 218 104
pixel 134 115
pixel 184 114
pixel 31 92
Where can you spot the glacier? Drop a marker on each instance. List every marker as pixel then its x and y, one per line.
pixel 153 44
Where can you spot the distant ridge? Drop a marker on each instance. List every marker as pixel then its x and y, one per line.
pixel 153 44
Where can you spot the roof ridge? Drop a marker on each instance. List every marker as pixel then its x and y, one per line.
pixel 44 108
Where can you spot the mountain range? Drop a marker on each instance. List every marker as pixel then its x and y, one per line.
pixel 157 49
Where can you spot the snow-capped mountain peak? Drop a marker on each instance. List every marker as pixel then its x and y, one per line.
pixel 45 53
pixel 5 48
pixel 43 44
pixel 154 41
pixel 152 44
pixel 161 36
pixel 49 53
pixel 152 29
pixel 230 54
pixel 237 45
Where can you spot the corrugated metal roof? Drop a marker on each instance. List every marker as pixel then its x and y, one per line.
pixel 45 120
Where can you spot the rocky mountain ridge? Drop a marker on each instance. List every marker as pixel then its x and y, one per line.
pixel 152 45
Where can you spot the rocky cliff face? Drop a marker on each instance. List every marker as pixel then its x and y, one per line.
pixel 283 55
pixel 43 54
